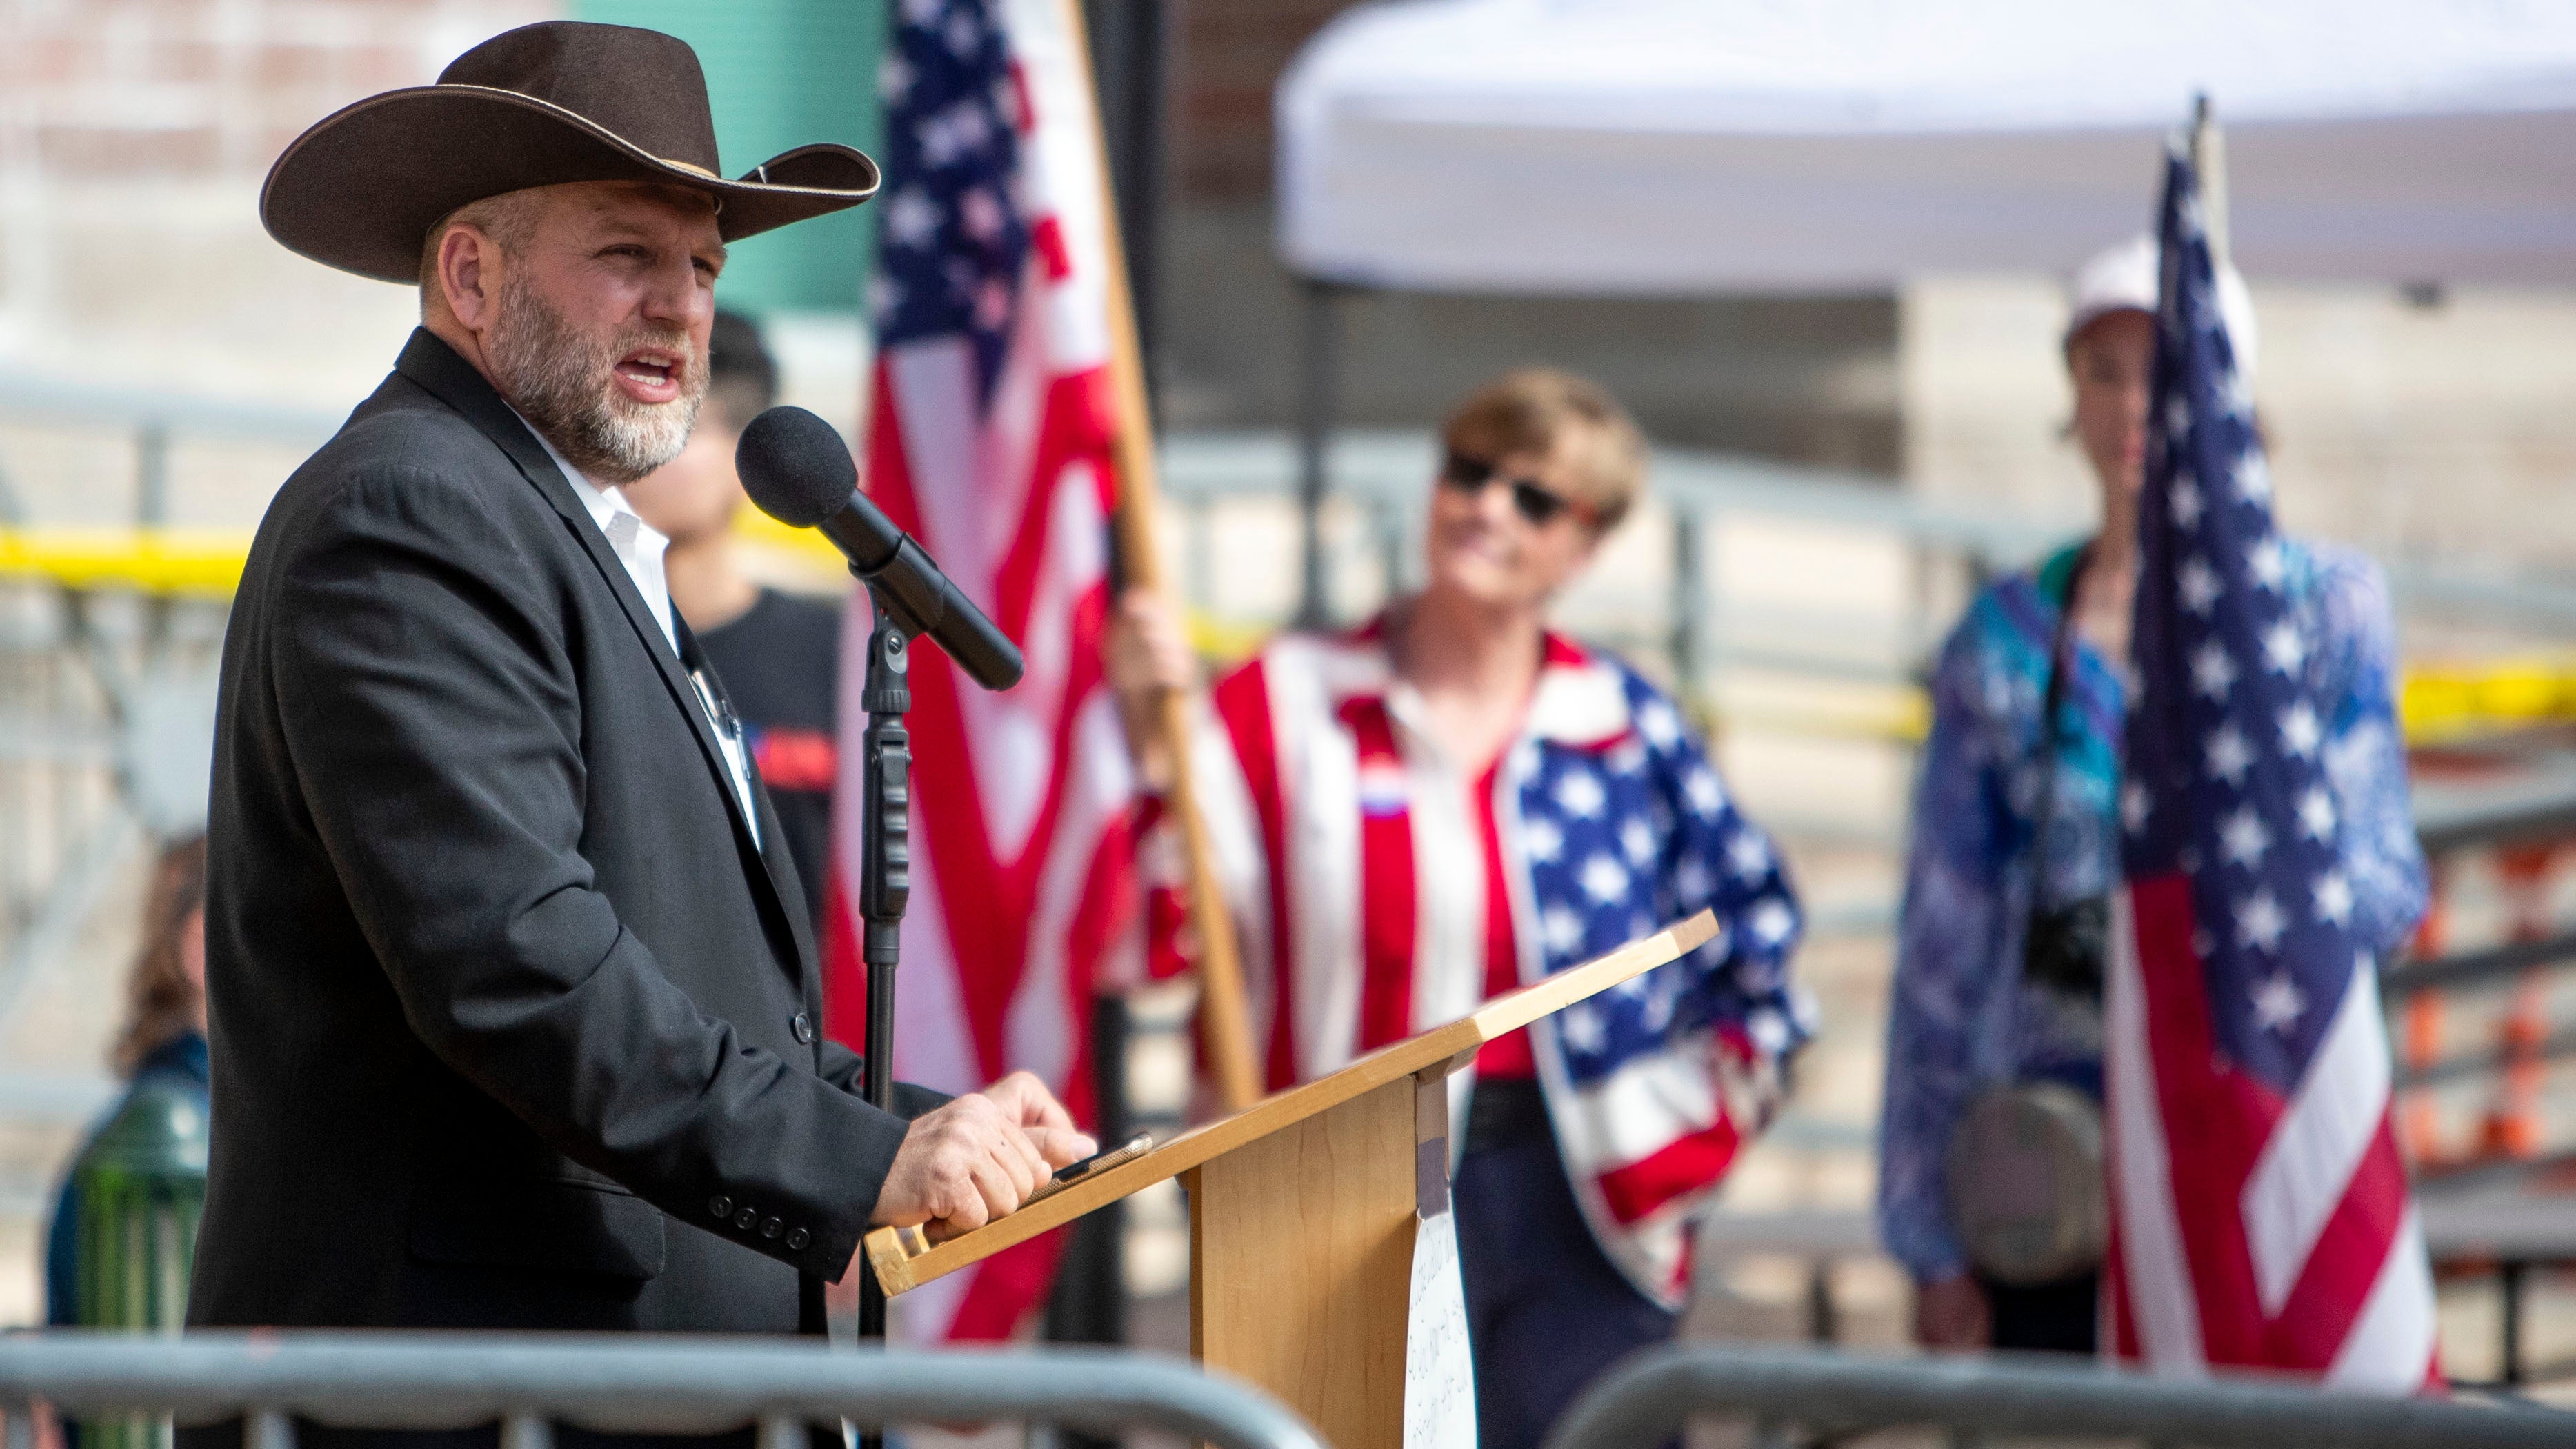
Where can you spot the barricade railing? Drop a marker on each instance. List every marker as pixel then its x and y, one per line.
pixel 1648 1399
pixel 529 1383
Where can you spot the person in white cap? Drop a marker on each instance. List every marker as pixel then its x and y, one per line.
pixel 1990 1188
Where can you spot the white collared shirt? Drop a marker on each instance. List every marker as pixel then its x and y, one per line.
pixel 640 546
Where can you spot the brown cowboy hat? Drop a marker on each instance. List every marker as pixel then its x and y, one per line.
pixel 537 106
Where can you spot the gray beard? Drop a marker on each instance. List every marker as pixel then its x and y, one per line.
pixel 562 383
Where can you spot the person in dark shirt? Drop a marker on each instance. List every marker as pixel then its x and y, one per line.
pixel 778 654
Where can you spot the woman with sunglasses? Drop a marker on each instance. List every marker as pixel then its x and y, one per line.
pixel 1453 800
pixel 1990 1186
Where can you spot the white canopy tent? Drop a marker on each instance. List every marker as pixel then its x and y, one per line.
pixel 1668 147
pixel 1671 146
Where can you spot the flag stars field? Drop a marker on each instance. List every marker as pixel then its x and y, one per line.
pixel 2185 502
pixel 2260 922
pixel 1604 879
pixel 2267 565
pixel 1580 795
pixel 912 219
pixel 1700 791
pixel 2198 584
pixel 2333 899
pixel 1691 879
pixel 1637 842
pixel 2236 395
pixel 1562 929
pixel 2253 475
pixel 2317 814
pixel 2244 839
pixel 2301 734
pixel 2283 650
pixel 2277 1002
pixel 2212 671
pixel 2229 754
pixel 1748 856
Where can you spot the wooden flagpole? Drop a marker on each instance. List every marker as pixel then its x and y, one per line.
pixel 1225 1023
pixel 2209 163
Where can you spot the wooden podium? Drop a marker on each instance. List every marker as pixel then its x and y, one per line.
pixel 1303 1209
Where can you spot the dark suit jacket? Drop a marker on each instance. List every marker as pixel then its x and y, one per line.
pixel 514 1026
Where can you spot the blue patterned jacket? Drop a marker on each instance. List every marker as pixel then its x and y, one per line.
pixel 1959 1017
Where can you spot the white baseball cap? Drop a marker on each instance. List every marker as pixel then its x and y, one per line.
pixel 2123 278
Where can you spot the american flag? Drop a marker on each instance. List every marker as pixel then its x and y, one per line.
pixel 2260 1210
pixel 990 441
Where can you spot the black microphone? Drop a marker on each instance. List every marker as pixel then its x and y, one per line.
pixel 796 468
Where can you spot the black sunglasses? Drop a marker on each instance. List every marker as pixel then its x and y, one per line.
pixel 1537 503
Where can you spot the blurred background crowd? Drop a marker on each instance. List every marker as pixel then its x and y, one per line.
pixel 1839 466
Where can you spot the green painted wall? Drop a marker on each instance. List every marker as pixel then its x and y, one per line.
pixel 781 73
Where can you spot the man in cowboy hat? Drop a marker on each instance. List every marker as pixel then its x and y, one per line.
pixel 514 994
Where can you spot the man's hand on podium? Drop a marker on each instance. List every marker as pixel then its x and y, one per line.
pixel 978 1157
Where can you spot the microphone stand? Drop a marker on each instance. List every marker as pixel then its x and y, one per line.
pixel 885 878
pixel 908 597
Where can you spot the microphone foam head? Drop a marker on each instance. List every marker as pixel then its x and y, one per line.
pixel 795 467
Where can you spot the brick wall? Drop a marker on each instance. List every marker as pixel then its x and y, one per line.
pixel 1227 55
pixel 133 138
pixel 127 88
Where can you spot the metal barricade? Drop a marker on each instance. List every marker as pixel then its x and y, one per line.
pixel 1647 1400
pixel 528 1383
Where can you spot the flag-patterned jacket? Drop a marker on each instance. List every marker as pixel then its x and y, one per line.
pixel 1356 864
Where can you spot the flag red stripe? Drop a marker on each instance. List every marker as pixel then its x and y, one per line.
pixel 1242 701
pixel 1684 1165
pixel 1510 1056
pixel 1004 1286
pixel 1387 911
pixel 2222 1111
pixel 1074 425
pixel 987 925
pixel 845 980
pixel 2345 1263
pixel 2228 1115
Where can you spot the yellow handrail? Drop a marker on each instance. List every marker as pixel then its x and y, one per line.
pixel 2437 701
pixel 207 562
pixel 198 562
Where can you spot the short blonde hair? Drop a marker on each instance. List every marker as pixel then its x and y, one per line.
pixel 1538 410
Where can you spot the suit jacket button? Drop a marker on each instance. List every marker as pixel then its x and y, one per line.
pixel 797 1239
pixel 803 1026
pixel 720 1207
pixel 745 1219
pixel 769 1227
